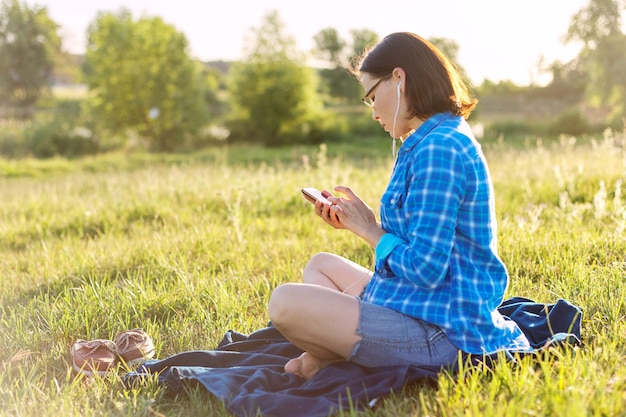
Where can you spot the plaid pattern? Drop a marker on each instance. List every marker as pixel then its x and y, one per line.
pixel 447 272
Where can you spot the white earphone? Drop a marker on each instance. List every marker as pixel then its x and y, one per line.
pixel 393 131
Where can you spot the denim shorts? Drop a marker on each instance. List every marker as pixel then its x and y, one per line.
pixel 390 338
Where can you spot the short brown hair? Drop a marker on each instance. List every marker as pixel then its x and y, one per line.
pixel 433 84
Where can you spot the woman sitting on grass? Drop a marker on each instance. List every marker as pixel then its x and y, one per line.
pixel 438 280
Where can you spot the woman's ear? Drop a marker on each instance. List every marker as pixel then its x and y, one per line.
pixel 399 76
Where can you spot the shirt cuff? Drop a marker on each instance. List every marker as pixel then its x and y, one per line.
pixel 385 246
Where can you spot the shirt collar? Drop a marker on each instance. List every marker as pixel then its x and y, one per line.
pixel 422 131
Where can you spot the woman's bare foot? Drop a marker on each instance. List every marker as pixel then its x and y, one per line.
pixel 307 365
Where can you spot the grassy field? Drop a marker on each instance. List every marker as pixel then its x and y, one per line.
pixel 189 246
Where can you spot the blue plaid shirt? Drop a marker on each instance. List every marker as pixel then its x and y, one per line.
pixel 443 266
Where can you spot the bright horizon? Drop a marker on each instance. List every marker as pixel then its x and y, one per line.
pixel 497 40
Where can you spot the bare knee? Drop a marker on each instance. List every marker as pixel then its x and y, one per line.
pixel 315 267
pixel 280 307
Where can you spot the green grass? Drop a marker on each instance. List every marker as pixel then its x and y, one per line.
pixel 189 246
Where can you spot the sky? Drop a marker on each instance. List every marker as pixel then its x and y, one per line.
pixel 498 39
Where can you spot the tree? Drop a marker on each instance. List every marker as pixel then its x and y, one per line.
pixel 338 82
pixel 29 44
pixel 142 79
pixel 330 47
pixel 214 85
pixel 273 93
pixel 606 66
pixel 568 81
pixel 599 27
pixel 362 39
pixel 598 20
pixel 450 48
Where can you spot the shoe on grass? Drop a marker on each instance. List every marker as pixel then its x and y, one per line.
pixel 134 346
pixel 94 357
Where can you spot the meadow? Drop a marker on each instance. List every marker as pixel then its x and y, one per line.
pixel 189 246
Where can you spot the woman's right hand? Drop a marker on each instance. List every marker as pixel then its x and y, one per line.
pixel 328 214
pixel 351 212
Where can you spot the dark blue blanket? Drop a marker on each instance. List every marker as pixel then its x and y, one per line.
pixel 246 371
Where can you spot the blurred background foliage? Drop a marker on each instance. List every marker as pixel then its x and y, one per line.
pixel 137 87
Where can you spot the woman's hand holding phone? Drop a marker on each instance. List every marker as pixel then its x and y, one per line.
pixel 349 212
pixel 313 195
pixel 324 208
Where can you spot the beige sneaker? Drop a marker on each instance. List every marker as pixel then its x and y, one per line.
pixel 134 346
pixel 93 357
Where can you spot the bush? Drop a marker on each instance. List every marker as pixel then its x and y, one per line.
pixel 51 140
pixel 46 139
pixel 569 123
pixel 13 141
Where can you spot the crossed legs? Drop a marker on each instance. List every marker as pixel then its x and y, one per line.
pixel 320 315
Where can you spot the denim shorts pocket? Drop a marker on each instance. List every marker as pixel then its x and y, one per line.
pixel 391 338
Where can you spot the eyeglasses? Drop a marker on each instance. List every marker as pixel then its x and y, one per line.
pixel 366 98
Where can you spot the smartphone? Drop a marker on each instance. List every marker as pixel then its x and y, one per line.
pixel 313 194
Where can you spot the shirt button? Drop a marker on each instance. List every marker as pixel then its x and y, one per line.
pixel 392 201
